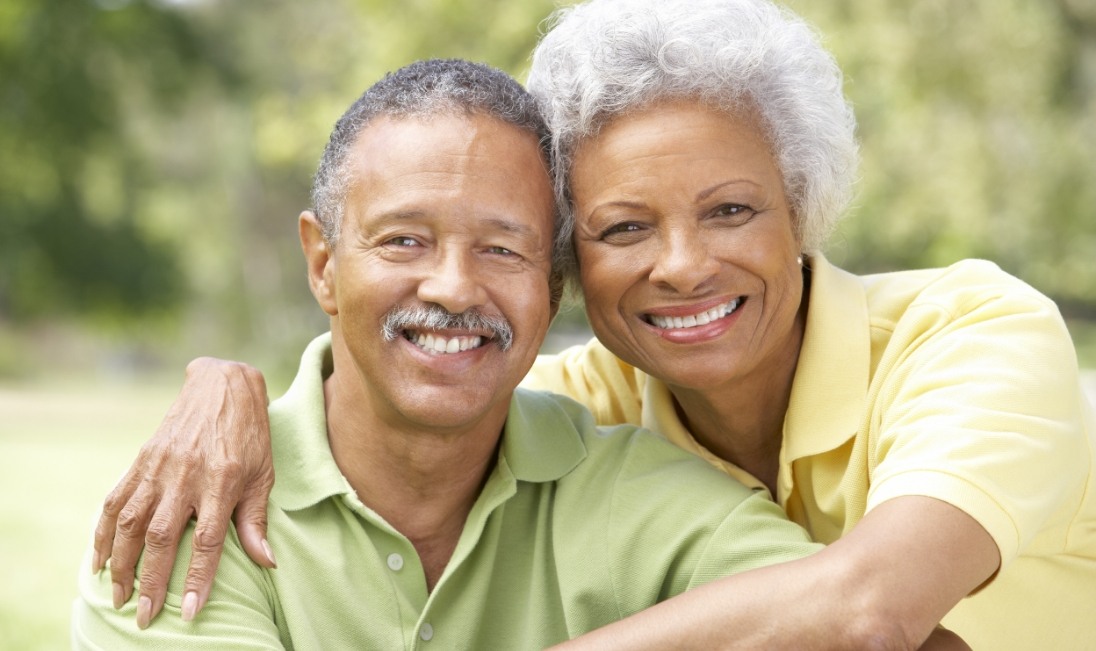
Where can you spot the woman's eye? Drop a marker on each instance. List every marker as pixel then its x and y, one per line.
pixel 402 241
pixel 500 250
pixel 620 230
pixel 737 212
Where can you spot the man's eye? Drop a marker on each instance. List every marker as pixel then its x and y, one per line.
pixel 402 241
pixel 500 250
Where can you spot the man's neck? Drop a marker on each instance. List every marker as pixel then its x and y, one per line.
pixel 421 480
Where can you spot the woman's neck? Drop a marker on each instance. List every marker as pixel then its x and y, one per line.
pixel 743 425
pixel 743 421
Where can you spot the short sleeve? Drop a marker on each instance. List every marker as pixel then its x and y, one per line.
pixel 240 613
pixel 983 410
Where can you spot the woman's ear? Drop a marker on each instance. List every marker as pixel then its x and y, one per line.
pixel 320 259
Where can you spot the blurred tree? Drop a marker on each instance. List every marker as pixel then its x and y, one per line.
pixel 154 154
pixel 978 127
pixel 72 239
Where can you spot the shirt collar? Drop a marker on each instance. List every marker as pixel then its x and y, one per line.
pixel 541 441
pixel 831 379
pixel 304 469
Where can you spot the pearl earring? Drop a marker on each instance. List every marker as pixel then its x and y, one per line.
pixel 799 260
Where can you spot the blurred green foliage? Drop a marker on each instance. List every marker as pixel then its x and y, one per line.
pixel 978 130
pixel 154 154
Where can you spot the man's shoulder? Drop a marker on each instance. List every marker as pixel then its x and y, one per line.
pixel 638 519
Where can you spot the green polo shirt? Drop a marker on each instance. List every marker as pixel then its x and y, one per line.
pixel 576 527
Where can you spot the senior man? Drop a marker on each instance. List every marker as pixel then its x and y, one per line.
pixel 421 499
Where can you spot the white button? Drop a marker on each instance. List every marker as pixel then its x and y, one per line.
pixel 395 562
pixel 426 632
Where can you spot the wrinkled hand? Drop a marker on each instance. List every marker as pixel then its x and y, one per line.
pixel 209 458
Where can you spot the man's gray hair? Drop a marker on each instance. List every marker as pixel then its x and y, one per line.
pixel 604 58
pixel 424 89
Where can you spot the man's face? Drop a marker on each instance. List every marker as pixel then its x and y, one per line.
pixel 449 212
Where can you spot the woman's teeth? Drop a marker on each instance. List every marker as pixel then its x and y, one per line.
pixel 694 320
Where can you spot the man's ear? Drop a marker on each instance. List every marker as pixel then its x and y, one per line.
pixel 320 259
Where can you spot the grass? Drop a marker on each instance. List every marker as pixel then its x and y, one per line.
pixel 63 449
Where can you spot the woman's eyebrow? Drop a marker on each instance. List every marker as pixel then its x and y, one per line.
pixel 704 194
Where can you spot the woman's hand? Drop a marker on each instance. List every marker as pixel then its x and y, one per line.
pixel 210 456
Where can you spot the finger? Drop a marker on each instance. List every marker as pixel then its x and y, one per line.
pixel 129 538
pixel 250 514
pixel 108 517
pixel 209 536
pixel 250 519
pixel 161 545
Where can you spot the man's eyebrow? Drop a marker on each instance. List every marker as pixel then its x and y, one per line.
pixel 512 227
pixel 495 223
pixel 400 215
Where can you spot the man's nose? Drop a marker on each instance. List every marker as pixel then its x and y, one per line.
pixel 454 283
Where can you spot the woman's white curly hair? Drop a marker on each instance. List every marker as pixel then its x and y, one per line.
pixel 604 58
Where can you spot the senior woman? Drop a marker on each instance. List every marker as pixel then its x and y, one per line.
pixel 928 425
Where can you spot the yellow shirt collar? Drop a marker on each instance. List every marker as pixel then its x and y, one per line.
pixel 831 380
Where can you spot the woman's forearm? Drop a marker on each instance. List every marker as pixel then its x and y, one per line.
pixel 886 584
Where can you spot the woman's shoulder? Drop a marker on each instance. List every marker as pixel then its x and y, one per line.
pixel 957 289
pixel 595 377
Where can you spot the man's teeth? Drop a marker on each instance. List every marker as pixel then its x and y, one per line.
pixel 442 345
pixel 694 320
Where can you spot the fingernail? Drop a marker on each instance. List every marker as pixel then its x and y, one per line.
pixel 96 562
pixel 144 612
pixel 190 606
pixel 269 553
pixel 119 596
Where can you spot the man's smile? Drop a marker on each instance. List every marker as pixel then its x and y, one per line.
pixel 438 344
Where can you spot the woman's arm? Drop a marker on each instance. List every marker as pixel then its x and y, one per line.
pixel 886 584
pixel 210 456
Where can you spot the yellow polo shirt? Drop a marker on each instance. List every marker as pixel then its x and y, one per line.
pixel 959 384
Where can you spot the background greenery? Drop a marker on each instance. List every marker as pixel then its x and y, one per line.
pixel 154 156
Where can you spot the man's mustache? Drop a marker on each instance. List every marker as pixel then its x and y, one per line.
pixel 435 317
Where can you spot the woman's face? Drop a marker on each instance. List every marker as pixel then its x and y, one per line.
pixel 686 248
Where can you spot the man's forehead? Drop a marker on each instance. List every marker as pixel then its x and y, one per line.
pixel 482 144
pixel 468 166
